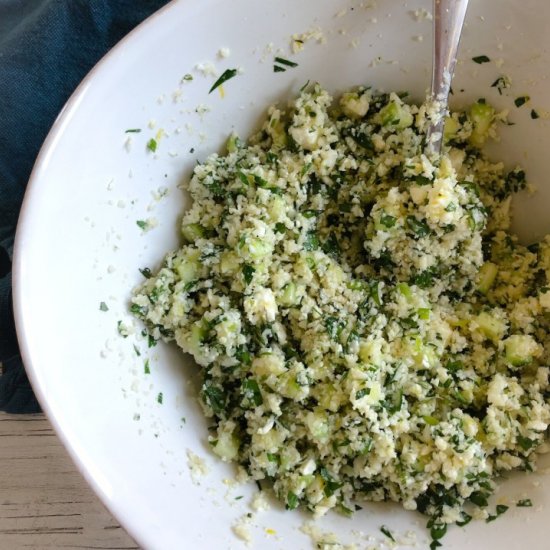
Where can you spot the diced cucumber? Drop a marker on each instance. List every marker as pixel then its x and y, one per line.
pixel 317 424
pixel 486 277
pixel 268 364
pixel 329 398
pixel 227 446
pixel 481 116
pixel 255 249
pixel 424 313
pixel 270 442
pixel 290 388
pixel 199 331
pixel 187 265
pixel 396 115
pixel 521 349
pixel 229 263
pixel 278 133
pixel 490 326
pixel 370 352
pixel 450 129
pixel 192 231
pixel 276 208
pixel 233 143
pixel 289 295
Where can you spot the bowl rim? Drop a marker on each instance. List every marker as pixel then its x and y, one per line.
pixel 18 284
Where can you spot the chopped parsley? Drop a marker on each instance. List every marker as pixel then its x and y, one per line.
pixel 501 83
pixel 480 59
pixel 136 349
pixel 534 114
pixel 227 75
pixel 133 131
pixel 248 273
pixel 500 509
pixel 142 224
pixel 524 503
pixel 522 100
pixel 160 398
pixel 187 77
pixel 146 272
pixel 146 368
pixel 152 145
pixel 103 306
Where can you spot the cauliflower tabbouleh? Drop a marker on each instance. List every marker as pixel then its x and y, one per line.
pixel 365 325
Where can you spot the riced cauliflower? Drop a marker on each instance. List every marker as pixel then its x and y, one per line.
pixel 365 325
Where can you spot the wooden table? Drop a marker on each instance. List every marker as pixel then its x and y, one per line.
pixel 44 501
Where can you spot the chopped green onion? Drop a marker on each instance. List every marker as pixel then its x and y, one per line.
pixel 286 62
pixel 227 74
pixel 387 532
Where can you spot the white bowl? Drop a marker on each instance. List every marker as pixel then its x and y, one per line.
pixel 78 243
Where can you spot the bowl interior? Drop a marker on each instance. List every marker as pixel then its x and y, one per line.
pixel 79 245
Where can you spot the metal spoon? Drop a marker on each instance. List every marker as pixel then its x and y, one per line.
pixel 448 21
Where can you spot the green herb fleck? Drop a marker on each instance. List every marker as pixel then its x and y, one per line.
pixel 159 398
pixel 286 62
pixel 252 394
pixel 187 77
pixel 291 501
pixel 239 497
pixel 133 131
pixel 525 443
pixel 136 349
pixel 227 75
pixel 522 100
pixel 311 242
pixel 480 59
pixel 362 393
pixel 142 224
pixel 214 397
pixel 146 272
pixel 277 69
pixel 304 86
pixel 248 272
pixel 501 83
pixel 146 368
pixel 466 518
pixel 103 306
pixel 534 114
pixel 500 509
pixel 152 145
pixel 419 227
pixel 524 503
pixel 387 221
pixel 387 532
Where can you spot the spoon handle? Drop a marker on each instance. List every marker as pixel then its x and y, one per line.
pixel 448 21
